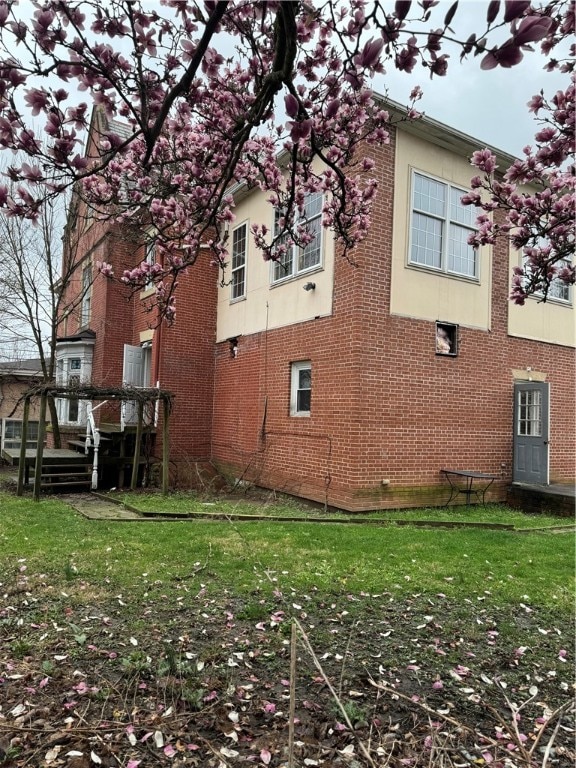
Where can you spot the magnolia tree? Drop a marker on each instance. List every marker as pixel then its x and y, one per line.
pixel 294 90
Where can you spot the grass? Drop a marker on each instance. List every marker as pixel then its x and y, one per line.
pixel 107 624
pixel 264 554
pixel 183 503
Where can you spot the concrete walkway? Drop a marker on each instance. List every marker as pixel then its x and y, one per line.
pixel 96 508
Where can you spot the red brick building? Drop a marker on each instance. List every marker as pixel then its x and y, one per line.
pixel 352 384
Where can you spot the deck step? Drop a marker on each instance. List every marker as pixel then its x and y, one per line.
pixel 66 485
pixel 66 474
pixel 74 444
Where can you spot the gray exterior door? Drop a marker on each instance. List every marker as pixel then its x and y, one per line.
pixel 531 432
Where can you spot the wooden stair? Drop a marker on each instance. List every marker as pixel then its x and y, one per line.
pixel 65 476
pixel 56 476
pixel 116 454
pixel 79 444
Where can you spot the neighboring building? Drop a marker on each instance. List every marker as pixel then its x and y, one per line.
pixel 353 384
pixel 16 378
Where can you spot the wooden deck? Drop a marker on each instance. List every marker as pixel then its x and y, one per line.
pixel 49 456
pixel 556 498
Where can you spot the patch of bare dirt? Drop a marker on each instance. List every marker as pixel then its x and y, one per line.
pixel 186 674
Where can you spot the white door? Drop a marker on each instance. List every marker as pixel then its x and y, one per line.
pixel 133 376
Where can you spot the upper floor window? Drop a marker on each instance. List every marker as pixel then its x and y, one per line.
pixel 299 259
pixel 86 302
pixel 558 289
pixel 239 248
pixel 440 228
pixel 150 259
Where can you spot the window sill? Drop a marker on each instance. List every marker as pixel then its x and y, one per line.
pixel 538 297
pixel 238 299
pixel 303 415
pixel 147 292
pixel 305 274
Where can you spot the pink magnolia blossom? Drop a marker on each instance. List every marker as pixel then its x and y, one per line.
pixel 197 125
pixel 485 160
pixel 515 8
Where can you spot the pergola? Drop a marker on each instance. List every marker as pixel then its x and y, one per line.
pixel 140 395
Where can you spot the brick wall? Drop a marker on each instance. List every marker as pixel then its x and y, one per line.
pixel 183 362
pixel 385 407
pixel 387 412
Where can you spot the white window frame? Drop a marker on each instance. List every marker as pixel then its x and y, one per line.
pixel 290 267
pixel 239 253
pixel 446 223
pixel 295 388
pixel 150 259
pixel 68 373
pixel 15 442
pixel 86 301
pixel 557 286
pixel 72 378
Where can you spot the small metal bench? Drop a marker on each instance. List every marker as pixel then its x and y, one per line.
pixel 469 483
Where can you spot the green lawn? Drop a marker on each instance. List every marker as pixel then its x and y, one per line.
pixel 184 504
pixel 167 642
pixel 459 562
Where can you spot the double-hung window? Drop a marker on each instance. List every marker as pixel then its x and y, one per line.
pixel 558 289
pixel 69 374
pixel 73 380
pixel 440 228
pixel 86 302
pixel 150 260
pixel 298 259
pixel 301 388
pixel 239 248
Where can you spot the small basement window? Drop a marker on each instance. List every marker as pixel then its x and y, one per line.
pixel 447 339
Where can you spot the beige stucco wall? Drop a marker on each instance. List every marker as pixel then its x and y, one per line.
pixel 266 305
pixel 552 321
pixel 424 293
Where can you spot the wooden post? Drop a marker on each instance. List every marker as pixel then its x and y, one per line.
pixel 136 464
pixel 24 438
pixel 165 447
pixel 122 458
pixel 40 447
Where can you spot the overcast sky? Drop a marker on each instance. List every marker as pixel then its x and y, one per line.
pixel 488 105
